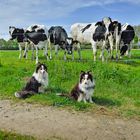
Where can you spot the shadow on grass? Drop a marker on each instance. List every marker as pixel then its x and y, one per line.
pixel 106 102
pixel 129 62
pixel 55 90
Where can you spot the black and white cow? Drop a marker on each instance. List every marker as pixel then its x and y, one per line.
pixel 18 34
pixel 59 38
pixel 113 35
pixel 128 34
pixel 93 33
pixel 38 35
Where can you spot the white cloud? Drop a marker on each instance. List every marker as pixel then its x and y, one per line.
pixel 22 13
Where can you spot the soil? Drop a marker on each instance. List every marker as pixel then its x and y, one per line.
pixel 50 123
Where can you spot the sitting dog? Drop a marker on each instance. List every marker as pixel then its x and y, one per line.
pixel 84 89
pixel 37 83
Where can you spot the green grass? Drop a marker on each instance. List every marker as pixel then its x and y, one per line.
pixel 117 83
pixel 12 136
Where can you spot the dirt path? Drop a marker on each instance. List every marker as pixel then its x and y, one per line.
pixel 55 124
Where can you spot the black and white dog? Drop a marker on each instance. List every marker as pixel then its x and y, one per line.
pixel 84 89
pixel 37 83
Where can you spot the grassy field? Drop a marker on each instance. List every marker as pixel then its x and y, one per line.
pixel 11 136
pixel 117 83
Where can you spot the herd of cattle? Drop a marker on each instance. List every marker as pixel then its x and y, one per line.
pixel 108 34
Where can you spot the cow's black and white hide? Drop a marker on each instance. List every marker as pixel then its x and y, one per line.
pixel 18 34
pixel 93 33
pixel 127 36
pixel 59 38
pixel 38 35
pixel 113 35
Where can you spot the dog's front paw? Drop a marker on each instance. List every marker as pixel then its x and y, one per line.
pixel 41 90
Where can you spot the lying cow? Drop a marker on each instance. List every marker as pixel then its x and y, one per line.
pixel 127 36
pixel 18 34
pixel 59 38
pixel 38 35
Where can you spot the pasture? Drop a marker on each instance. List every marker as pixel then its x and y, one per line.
pixel 117 89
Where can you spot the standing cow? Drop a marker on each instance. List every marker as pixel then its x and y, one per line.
pixel 128 34
pixel 19 35
pixel 113 35
pixel 59 38
pixel 38 35
pixel 93 33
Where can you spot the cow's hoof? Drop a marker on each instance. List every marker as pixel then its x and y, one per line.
pixel 112 58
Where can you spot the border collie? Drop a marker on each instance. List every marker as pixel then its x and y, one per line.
pixel 84 89
pixel 37 83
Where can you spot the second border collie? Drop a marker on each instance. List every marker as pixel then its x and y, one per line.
pixel 37 83
pixel 84 89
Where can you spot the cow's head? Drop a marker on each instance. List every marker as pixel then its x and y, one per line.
pixel 11 32
pixel 69 45
pixel 113 26
pixel 107 21
pixel 16 33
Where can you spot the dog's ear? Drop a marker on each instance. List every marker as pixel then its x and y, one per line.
pixel 82 72
pixel 38 64
pixel 45 66
pixel 81 76
pixel 89 72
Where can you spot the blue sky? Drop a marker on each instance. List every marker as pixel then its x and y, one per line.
pixel 22 13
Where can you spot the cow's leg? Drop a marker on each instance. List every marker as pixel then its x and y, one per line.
pixel 56 50
pixel 50 46
pixel 102 51
pixel 26 50
pixel 128 52
pixel 94 48
pixel 65 52
pixel 46 50
pixel 79 50
pixel 110 38
pixel 72 55
pixel 20 50
pixel 36 47
pixel 117 48
pixel 33 56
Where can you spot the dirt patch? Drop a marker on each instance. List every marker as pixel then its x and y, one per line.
pixel 46 122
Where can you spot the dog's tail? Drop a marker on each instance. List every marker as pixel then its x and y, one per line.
pixel 63 94
pixel 24 94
